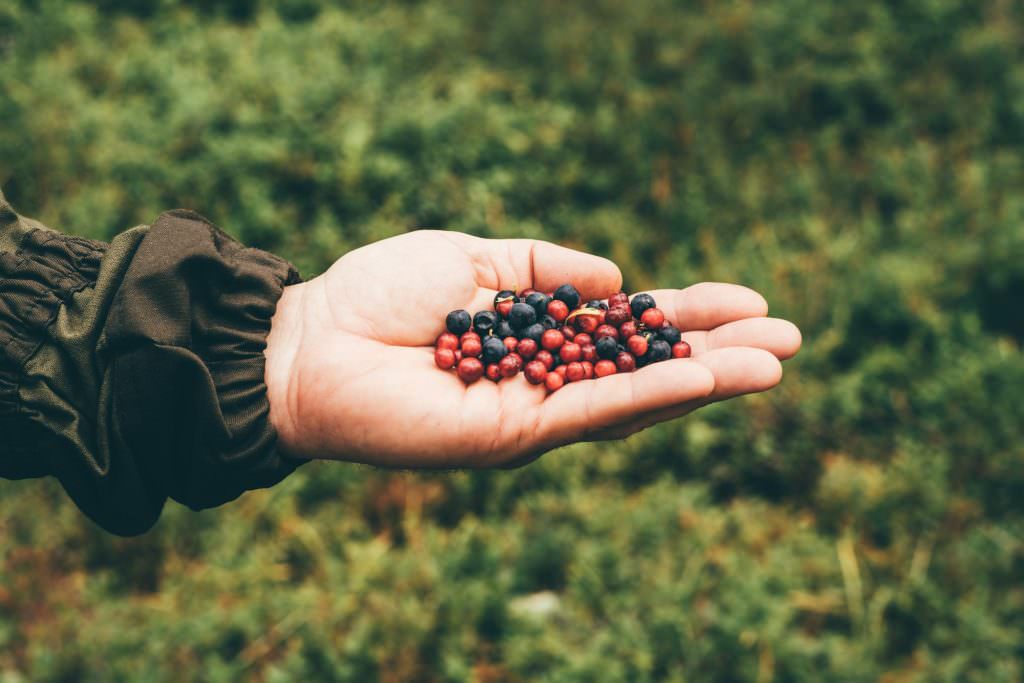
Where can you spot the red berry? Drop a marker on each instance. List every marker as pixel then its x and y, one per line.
pixel 681 350
pixel 588 369
pixel 653 318
pixel 470 335
pixel 574 372
pixel 535 372
pixel 560 370
pixel 618 315
pixel 569 332
pixel 637 345
pixel 444 358
pixel 603 368
pixel 448 341
pixel 552 340
pixel 588 352
pixel 545 357
pixel 583 339
pixel 627 329
pixel 605 330
pixel 493 372
pixel 527 348
pixel 458 355
pixel 472 347
pixel 625 362
pixel 554 381
pixel 504 308
pixel 470 370
pixel 588 322
pixel 618 299
pixel 558 310
pixel 570 352
pixel 511 343
pixel 527 292
pixel 510 365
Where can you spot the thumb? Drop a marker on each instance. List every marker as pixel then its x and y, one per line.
pixel 522 263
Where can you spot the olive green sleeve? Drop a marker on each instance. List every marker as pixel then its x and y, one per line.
pixel 134 371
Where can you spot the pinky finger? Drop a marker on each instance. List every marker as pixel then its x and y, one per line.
pixel 737 371
pixel 582 409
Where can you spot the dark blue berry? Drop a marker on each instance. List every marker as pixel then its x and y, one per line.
pixel 607 348
pixel 458 322
pixel 658 351
pixel 670 334
pixel 597 303
pixel 504 295
pixel 494 350
pixel 548 322
pixel 502 329
pixel 568 295
pixel 539 301
pixel 533 332
pixel 640 303
pixel 484 322
pixel 521 315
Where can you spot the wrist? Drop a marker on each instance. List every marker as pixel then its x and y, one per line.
pixel 281 352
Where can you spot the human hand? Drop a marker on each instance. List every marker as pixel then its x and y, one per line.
pixel 351 373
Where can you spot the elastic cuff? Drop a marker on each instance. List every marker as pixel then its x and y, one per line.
pixel 194 312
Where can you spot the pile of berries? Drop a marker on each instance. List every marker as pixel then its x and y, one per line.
pixel 553 340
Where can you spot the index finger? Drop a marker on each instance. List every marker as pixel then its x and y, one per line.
pixel 708 305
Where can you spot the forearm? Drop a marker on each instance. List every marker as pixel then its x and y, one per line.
pixel 134 371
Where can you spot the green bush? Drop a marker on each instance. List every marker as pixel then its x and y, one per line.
pixel 859 163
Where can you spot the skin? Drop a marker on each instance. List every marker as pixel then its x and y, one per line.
pixel 351 375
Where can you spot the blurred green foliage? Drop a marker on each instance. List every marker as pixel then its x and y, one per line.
pixel 860 163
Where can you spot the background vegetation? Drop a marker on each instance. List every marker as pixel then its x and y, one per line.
pixel 858 162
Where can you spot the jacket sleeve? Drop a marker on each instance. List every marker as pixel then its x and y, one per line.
pixel 134 371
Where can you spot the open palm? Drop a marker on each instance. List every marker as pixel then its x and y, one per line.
pixel 352 377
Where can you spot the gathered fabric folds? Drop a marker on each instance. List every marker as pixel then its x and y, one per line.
pixel 134 372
